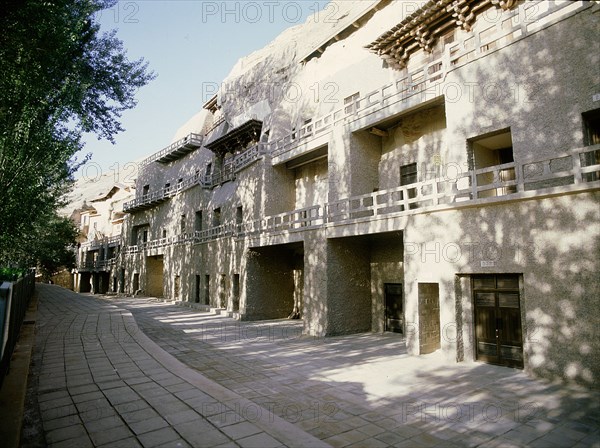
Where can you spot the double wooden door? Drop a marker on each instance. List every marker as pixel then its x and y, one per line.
pixel 498 332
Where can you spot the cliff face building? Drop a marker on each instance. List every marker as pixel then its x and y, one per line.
pixel 432 172
pixel 100 225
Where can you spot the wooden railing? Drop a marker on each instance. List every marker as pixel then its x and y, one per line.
pixel 488 36
pixel 106 241
pixel 97 264
pixel 226 174
pixel 191 140
pixel 577 168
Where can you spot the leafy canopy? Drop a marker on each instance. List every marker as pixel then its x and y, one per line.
pixel 59 78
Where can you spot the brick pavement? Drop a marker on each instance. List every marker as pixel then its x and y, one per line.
pixel 364 390
pixel 104 383
pixel 192 378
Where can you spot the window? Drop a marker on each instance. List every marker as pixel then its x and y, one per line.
pixel 145 190
pixel 182 223
pixel 239 215
pixel 198 221
pixel 167 185
pixel 208 169
pixel 236 292
pixel 145 236
pixel 216 217
pixel 408 176
pixel 207 289
pixel 591 128
pixel 134 235
pixel 164 233
pixel 177 287
pixel 351 103
pixel 489 151
pixel 197 290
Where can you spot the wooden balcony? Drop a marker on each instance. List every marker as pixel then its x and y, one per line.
pixel 158 197
pixel 574 171
pixel 228 173
pixel 97 265
pixel 176 150
pixel 424 82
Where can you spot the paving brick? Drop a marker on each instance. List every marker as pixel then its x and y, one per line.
pixel 55 395
pixel 121 395
pixel 240 430
pixel 261 440
pixel 130 442
pixel 201 433
pixel 132 406
pixel 79 442
pixel 88 396
pixel 182 417
pixel 158 437
pixel 64 433
pixel 57 403
pixel 83 389
pixel 59 412
pixel 110 436
pixel 148 425
pixel 103 424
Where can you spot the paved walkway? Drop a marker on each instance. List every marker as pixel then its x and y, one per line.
pixel 199 379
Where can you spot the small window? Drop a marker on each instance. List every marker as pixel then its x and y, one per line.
pixel 177 287
pixel 239 215
pixel 216 217
pixel 591 128
pixel 197 290
pixel 208 171
pixel 182 223
pixel 351 103
pixel 408 174
pixel 198 221
pixel 145 190
pixel 167 185
pixel 145 236
pixel 207 289
pixel 489 151
pixel 164 233
pixel 236 292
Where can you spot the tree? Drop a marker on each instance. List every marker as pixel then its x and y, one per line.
pixel 59 78
pixel 55 245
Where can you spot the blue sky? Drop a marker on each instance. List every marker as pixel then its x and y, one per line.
pixel 190 45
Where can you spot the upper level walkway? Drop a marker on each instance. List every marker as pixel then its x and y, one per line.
pixel 104 382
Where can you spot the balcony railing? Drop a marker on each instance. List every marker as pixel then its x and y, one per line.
pixel 226 174
pixel 176 149
pixel 515 25
pixel 157 197
pixel 97 264
pixel 559 174
pixel 249 156
pixel 301 219
pixel 106 241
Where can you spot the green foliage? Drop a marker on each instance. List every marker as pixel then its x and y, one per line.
pixel 59 77
pixel 11 274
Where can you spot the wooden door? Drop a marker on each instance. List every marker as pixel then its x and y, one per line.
pixel 498 332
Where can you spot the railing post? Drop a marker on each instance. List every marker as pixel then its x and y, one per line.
pixel 577 174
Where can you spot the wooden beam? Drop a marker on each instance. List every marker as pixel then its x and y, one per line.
pixel 379 132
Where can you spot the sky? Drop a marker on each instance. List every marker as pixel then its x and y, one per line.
pixel 191 45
